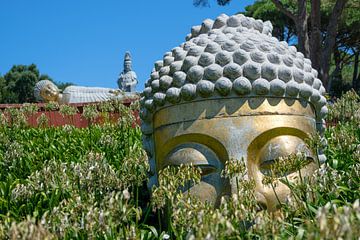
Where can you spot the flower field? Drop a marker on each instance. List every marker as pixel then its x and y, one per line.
pixel 90 183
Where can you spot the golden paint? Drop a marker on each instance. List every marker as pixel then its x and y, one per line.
pixel 50 93
pixel 217 130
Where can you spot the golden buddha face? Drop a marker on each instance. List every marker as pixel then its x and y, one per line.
pixel 49 92
pixel 255 130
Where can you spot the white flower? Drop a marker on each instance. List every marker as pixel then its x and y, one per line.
pixel 126 194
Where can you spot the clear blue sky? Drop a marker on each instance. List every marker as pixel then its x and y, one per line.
pixel 84 41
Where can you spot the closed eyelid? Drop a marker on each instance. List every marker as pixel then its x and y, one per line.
pixel 283 146
pixel 195 154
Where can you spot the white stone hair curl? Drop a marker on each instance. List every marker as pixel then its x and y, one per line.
pixel 39 86
pixel 231 56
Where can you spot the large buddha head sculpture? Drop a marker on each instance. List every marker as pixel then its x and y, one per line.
pixel 232 91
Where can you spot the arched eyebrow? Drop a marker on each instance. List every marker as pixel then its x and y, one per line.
pixel 260 141
pixel 195 139
pixel 192 153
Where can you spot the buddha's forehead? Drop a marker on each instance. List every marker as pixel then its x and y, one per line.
pixel 230 126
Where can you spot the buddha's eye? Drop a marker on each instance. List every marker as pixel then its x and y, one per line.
pixel 284 155
pixel 207 169
pixel 196 154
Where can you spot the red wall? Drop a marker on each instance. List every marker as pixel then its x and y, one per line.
pixel 56 119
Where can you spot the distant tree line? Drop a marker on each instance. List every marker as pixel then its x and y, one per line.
pixel 17 85
pixel 326 31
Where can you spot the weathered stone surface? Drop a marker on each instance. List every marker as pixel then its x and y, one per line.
pixel 230 84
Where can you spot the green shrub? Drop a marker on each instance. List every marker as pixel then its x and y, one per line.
pixel 89 183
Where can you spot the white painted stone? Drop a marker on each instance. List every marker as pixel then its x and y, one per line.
pixel 202 42
pixel 308 78
pixel 314 72
pixel 158 65
pixel 195 30
pixel 155 85
pixel 261 86
pixel 213 72
pixel 300 55
pixel 168 60
pixel 273 58
pixel 147 92
pixel 259 25
pixel 257 56
pixel 206 26
pixel 188 92
pixel 189 61
pixel 305 90
pixel 212 47
pixel 173 95
pixel 323 112
pixel 165 82
pixel 317 84
pixel 164 71
pixel 232 71
pixel 222 58
pixel 220 21
pixel 288 60
pixel 292 88
pixel 252 70
pixel 268 71
pixel 195 51
pixel 242 86
pixel 205 88
pixel 315 97
pixel 299 63
pixel 264 47
pixel 298 75
pixel 179 54
pixel 277 87
pixel 221 39
pixel 223 86
pixel 322 90
pixel 234 21
pixel 159 98
pixel 195 74
pixel 179 79
pixel 206 59
pixel 240 57
pixel 280 49
pixel 230 46
pixel 248 46
pixel 307 68
pixel 149 105
pixel 175 66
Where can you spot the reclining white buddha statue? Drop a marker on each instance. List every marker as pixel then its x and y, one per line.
pixel 47 91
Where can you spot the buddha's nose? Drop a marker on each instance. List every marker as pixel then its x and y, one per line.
pixel 261 201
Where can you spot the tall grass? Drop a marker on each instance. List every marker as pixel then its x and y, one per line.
pixel 71 183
